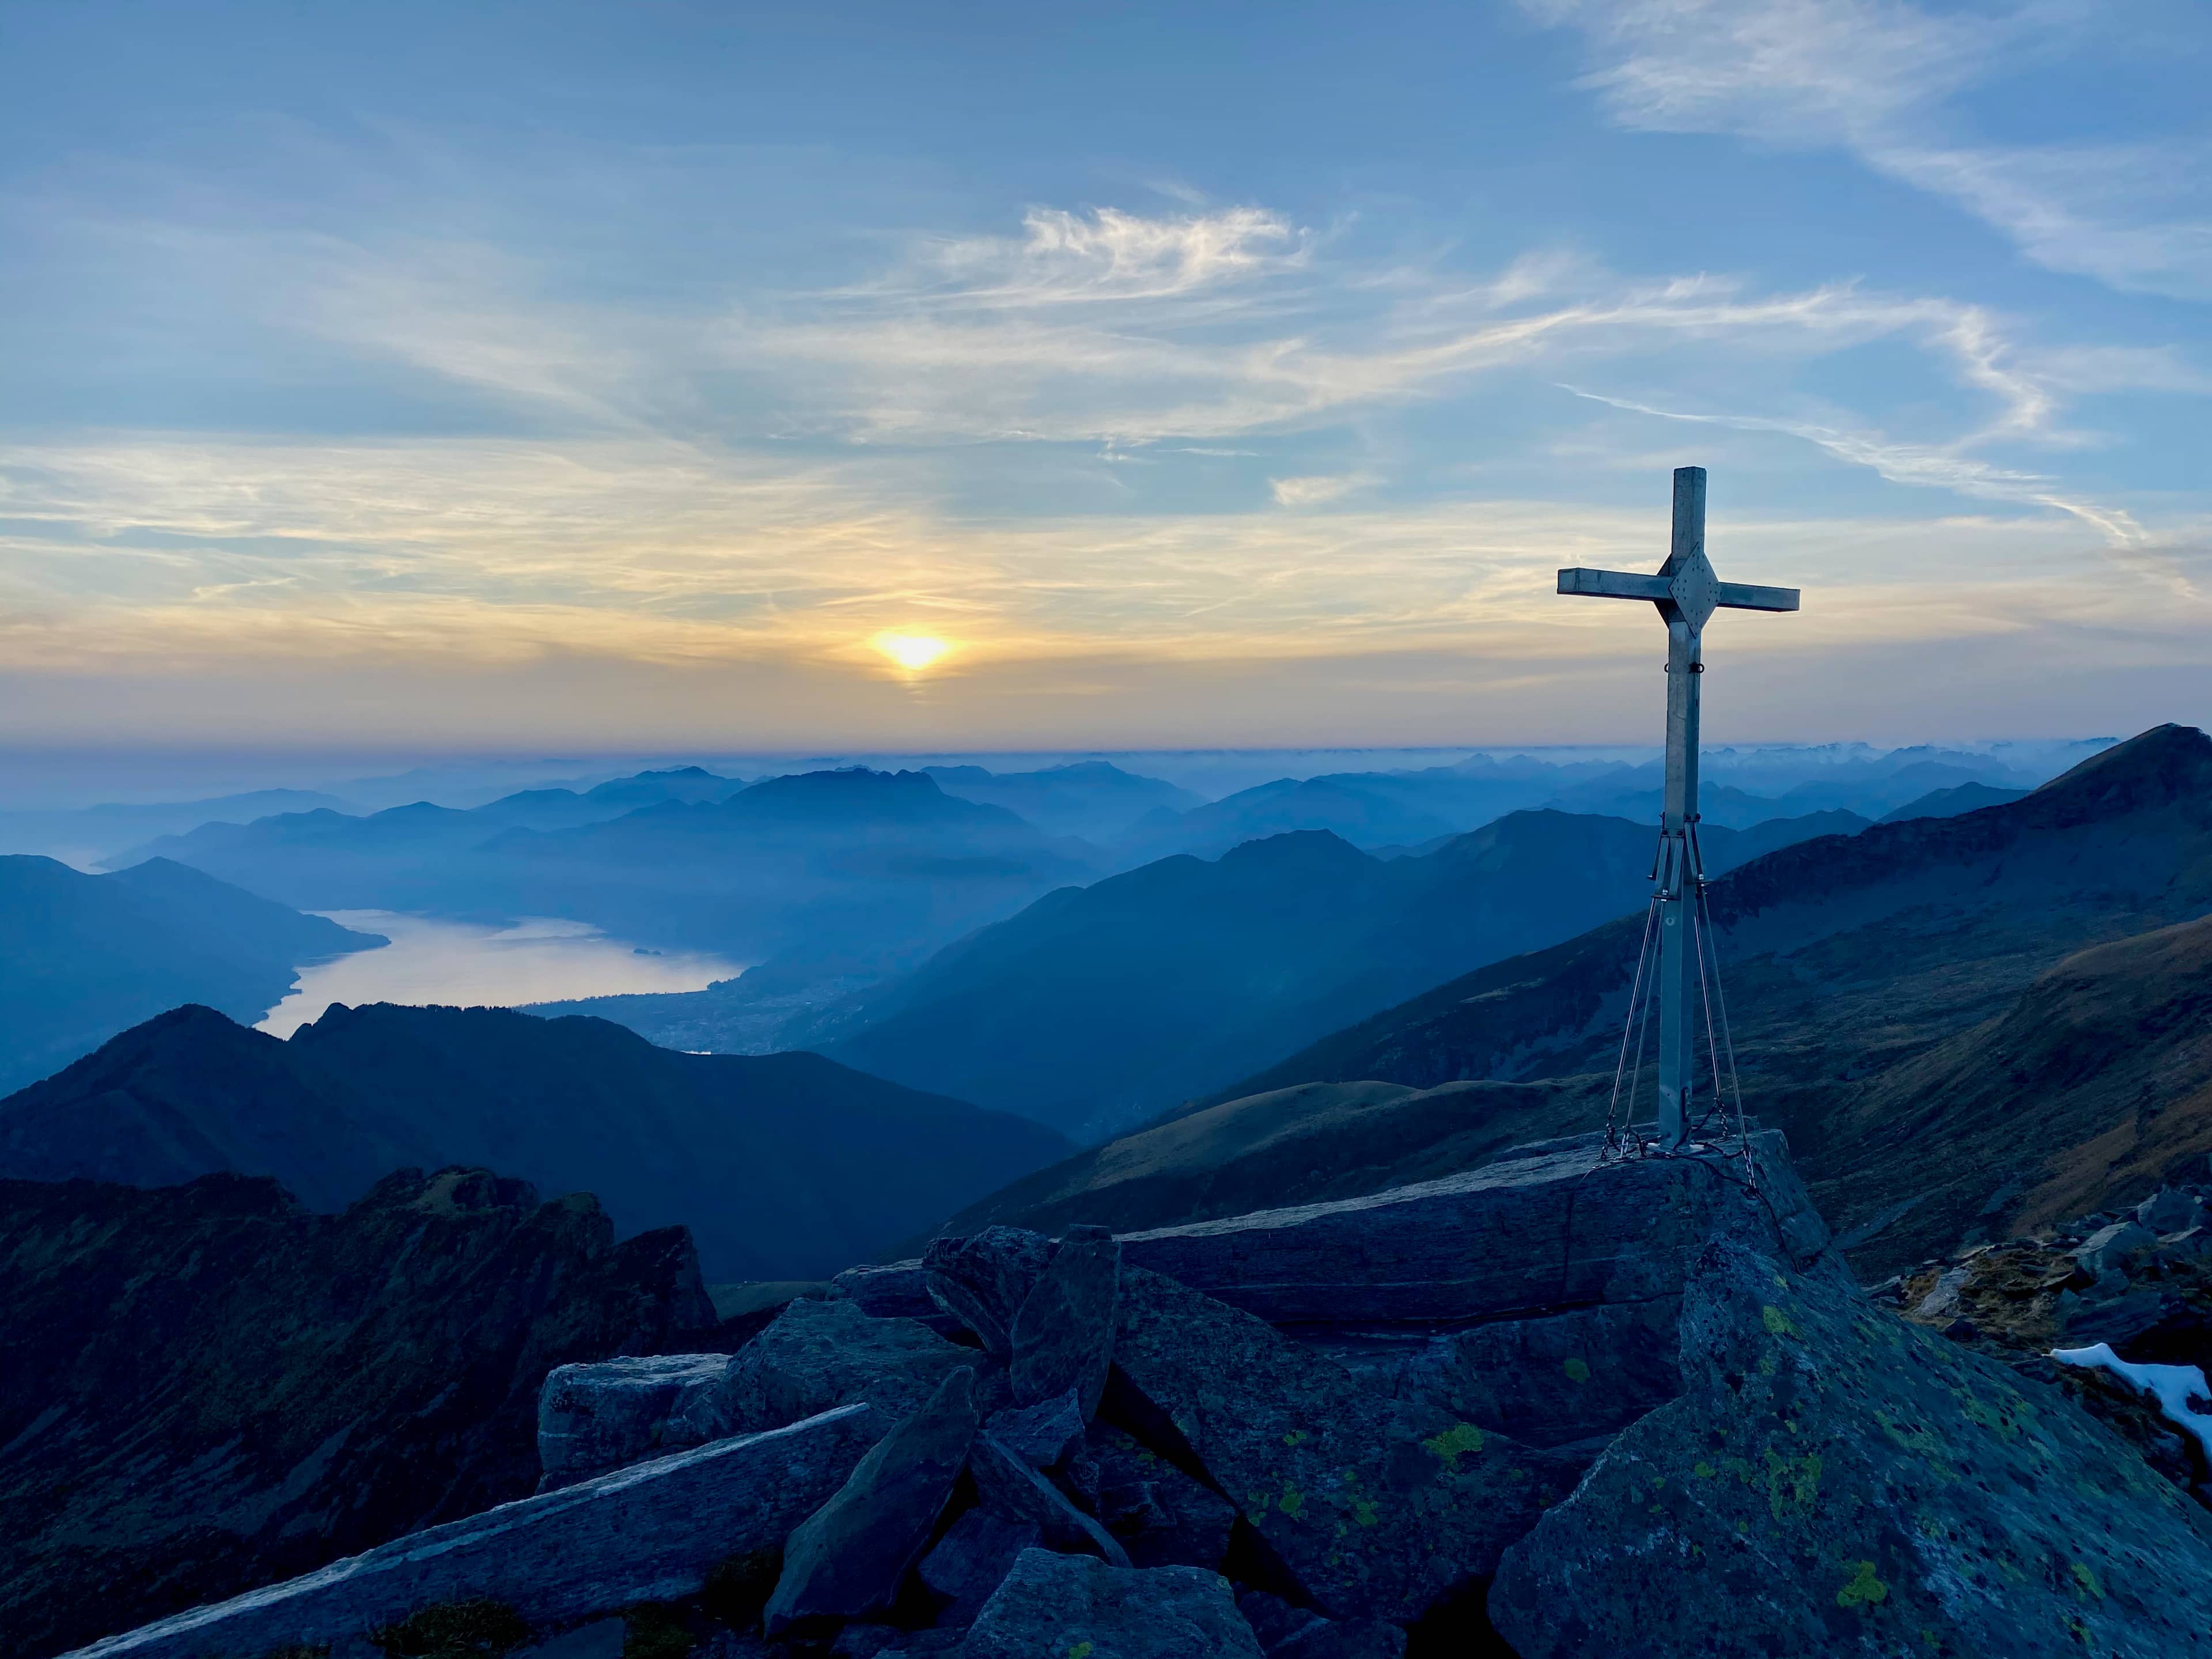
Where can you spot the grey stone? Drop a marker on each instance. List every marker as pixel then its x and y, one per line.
pixel 1063 1336
pixel 1010 1488
pixel 893 1290
pixel 2171 1211
pixel 1837 1481
pixel 1378 1507
pixel 1554 1382
pixel 1162 1517
pixel 1512 1239
pixel 2106 1254
pixel 865 1641
pixel 1293 1632
pixel 2186 1246
pixel 1052 1605
pixel 821 1354
pixel 649 1532
pixel 603 1416
pixel 845 1560
pixel 972 1560
pixel 982 1281
pixel 1044 1433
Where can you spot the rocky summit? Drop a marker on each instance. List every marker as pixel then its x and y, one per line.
pixel 1584 1402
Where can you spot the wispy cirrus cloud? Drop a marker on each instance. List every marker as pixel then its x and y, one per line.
pixel 1876 77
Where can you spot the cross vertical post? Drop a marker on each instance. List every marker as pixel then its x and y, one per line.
pixel 1687 591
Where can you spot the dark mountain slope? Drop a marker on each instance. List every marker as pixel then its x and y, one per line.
pixel 1949 803
pixel 1845 959
pixel 83 958
pixel 1097 1007
pixel 205 1388
pixel 786 1166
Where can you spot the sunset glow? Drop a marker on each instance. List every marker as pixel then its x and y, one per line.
pixel 911 652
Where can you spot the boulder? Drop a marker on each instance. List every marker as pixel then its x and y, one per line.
pixel 1377 1507
pixel 894 1290
pixel 1835 1480
pixel 1063 1336
pixel 1052 1605
pixel 845 1561
pixel 1044 1433
pixel 650 1533
pixel 821 1354
pixel 972 1560
pixel 2170 1209
pixel 2106 1254
pixel 1011 1489
pixel 982 1281
pixel 1162 1517
pixel 1548 1228
pixel 597 1417
pixel 1293 1632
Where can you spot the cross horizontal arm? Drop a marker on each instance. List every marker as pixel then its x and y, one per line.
pixel 1744 596
pixel 1622 584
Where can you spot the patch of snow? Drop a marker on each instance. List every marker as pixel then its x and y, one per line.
pixel 2172 1386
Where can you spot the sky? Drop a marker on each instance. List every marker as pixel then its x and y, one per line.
pixel 566 376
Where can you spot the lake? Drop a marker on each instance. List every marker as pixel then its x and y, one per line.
pixel 537 959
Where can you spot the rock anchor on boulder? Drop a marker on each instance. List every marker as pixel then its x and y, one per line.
pixel 1835 1480
pixel 1051 1605
pixel 845 1560
pixel 821 1354
pixel 1063 1337
pixel 1011 1488
pixel 1377 1506
pixel 982 1282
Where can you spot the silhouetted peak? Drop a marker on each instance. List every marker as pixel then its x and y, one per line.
pixel 2168 763
pixel 1296 849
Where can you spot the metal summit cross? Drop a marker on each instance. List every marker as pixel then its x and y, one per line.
pixel 1687 593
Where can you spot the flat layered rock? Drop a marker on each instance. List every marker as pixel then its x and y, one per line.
pixel 1051 1605
pixel 1837 1481
pixel 649 1532
pixel 1378 1507
pixel 1550 1230
pixel 606 1415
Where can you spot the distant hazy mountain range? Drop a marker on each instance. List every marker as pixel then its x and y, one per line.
pixel 86 836
pixel 786 1166
pixel 83 958
pixel 1098 1007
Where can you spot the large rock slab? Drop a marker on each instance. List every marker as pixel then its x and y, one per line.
pixel 603 1416
pixel 982 1281
pixel 1378 1507
pixel 1549 1229
pixel 649 1532
pixel 1291 1633
pixel 818 1355
pixel 845 1561
pixel 1052 1605
pixel 1571 1379
pixel 1836 1481
pixel 1063 1336
pixel 964 1567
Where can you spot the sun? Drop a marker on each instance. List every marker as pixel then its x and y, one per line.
pixel 911 652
